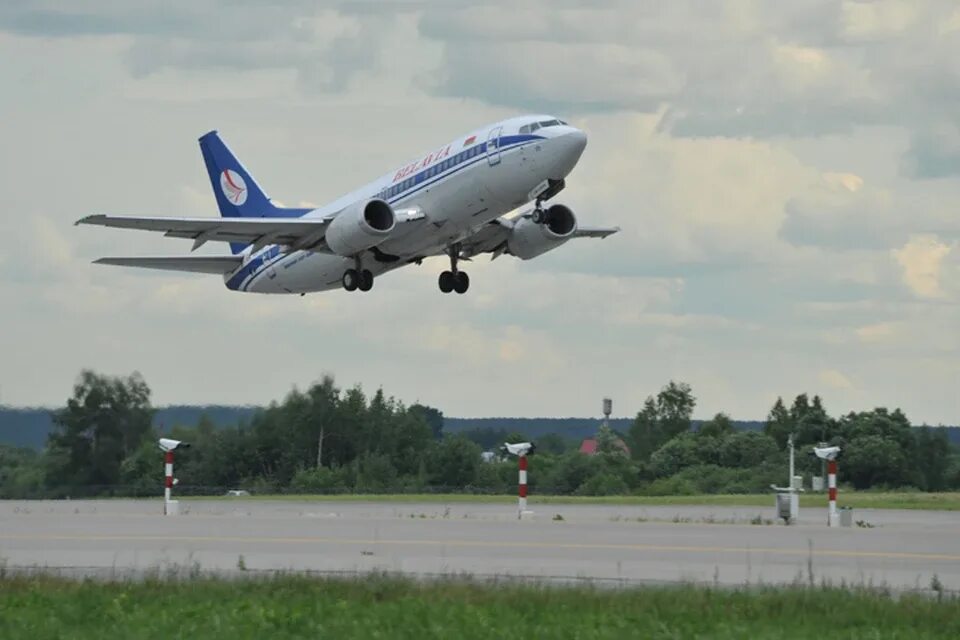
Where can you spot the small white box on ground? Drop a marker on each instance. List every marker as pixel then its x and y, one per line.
pixel 788 506
pixel 171 508
pixel 526 515
pixel 817 483
pixel 846 516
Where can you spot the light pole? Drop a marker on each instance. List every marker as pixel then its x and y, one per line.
pixel 521 450
pixel 168 446
pixel 830 455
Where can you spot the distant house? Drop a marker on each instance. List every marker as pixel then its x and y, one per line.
pixel 589 446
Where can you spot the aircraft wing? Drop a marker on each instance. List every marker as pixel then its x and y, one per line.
pixel 297 233
pixel 595 232
pixel 195 264
pixel 493 237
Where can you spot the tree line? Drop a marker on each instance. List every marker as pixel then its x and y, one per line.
pixel 326 439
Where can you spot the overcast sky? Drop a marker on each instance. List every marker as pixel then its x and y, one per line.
pixel 786 174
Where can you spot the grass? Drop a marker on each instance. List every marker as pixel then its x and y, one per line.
pixel 857 500
pixel 386 607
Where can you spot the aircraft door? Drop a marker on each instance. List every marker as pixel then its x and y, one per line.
pixel 493 146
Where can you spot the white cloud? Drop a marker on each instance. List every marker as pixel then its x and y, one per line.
pixel 755 252
pixel 921 259
pixel 834 379
pixel 877 19
pixel 879 332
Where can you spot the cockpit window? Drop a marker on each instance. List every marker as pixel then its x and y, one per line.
pixel 533 126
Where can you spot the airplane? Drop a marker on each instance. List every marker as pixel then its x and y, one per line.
pixel 450 201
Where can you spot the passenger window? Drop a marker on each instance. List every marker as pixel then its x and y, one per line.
pixel 525 129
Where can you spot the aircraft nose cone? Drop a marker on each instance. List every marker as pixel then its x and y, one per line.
pixel 570 147
pixel 578 140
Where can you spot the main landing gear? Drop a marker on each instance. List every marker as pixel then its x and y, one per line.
pixel 539 214
pixel 454 280
pixel 357 278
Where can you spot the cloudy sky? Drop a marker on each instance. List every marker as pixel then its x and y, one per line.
pixel 787 177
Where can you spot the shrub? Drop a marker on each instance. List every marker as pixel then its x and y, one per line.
pixel 603 484
pixel 318 480
pixel 672 486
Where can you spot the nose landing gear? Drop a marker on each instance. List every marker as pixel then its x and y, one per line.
pixel 454 279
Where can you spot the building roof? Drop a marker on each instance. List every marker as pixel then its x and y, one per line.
pixel 589 446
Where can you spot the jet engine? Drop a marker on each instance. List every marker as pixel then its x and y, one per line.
pixel 528 239
pixel 360 226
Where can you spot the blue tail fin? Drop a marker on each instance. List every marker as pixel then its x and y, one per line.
pixel 238 194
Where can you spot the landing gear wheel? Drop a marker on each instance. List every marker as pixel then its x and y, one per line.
pixel 365 281
pixel 461 282
pixel 350 280
pixel 538 216
pixel 446 281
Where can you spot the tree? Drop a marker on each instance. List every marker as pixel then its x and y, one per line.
pixel 675 404
pixel 433 417
pixel 572 470
pixel 747 449
pixel 105 421
pixel 932 458
pixel 454 462
pixel 645 436
pixel 779 424
pixel 608 442
pixel 661 419
pixel 678 453
pixel 552 443
pixel 872 461
pixel 720 426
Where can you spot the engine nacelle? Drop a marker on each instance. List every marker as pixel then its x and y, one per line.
pixel 529 239
pixel 360 226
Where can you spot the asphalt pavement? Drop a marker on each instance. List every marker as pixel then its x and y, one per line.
pixel 607 544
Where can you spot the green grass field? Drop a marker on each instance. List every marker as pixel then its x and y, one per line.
pixel 859 500
pixel 382 607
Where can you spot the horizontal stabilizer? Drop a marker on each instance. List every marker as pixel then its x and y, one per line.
pixel 195 264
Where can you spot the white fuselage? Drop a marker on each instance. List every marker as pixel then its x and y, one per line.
pixel 453 190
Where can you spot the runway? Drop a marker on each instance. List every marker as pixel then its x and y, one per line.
pixel 607 544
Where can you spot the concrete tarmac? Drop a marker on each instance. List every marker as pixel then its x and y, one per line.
pixel 603 543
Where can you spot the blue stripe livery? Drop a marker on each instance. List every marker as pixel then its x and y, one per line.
pixel 238 194
pixel 244 277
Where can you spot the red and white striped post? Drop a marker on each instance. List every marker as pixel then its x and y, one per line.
pixel 522 502
pixel 832 491
pixel 168 480
pixel 170 507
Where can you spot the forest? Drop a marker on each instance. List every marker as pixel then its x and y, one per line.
pixel 327 439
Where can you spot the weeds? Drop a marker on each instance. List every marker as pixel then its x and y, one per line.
pixel 382 605
pixel 937 587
